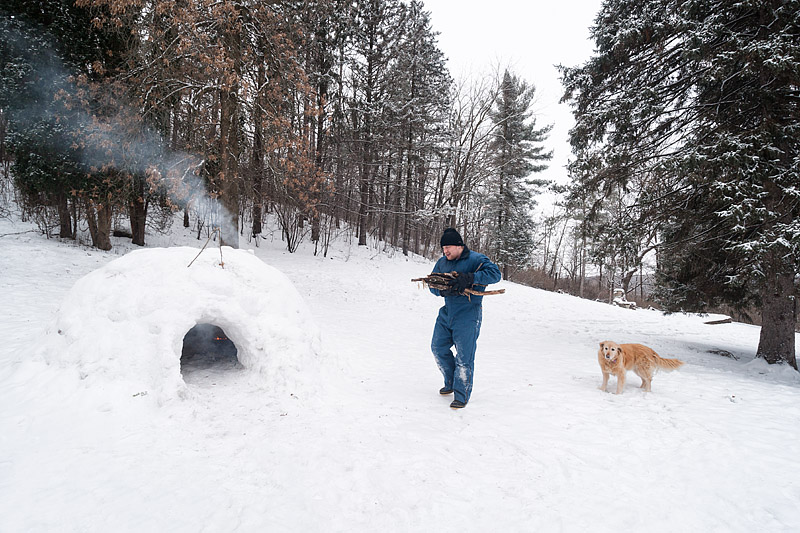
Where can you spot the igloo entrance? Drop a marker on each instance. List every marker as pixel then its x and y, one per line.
pixel 207 347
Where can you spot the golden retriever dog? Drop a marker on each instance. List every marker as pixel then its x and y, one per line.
pixel 617 359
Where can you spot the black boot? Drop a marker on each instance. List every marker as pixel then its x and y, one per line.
pixel 457 405
pixel 445 390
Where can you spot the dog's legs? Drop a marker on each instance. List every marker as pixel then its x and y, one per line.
pixel 645 375
pixel 620 382
pixel 605 382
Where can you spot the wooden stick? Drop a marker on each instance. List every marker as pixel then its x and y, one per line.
pixel 217 232
pixel 438 281
pixel 484 293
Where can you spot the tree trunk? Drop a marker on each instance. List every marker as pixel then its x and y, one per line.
pixel 778 313
pixel 406 237
pixel 583 266
pixel 228 177
pixel 257 210
pixel 138 213
pixel 322 98
pixel 626 281
pixel 362 208
pixel 104 215
pixel 99 220
pixel 229 143
pixel 74 206
pixel 257 156
pixel 367 138
pixel 64 218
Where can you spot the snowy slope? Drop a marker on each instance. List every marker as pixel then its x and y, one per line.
pixel 374 447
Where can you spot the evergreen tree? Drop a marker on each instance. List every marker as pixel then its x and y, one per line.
pixel 702 96
pixel 419 102
pixel 518 153
pixel 31 72
pixel 375 44
pixel 44 48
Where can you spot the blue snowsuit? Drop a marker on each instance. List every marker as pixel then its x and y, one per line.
pixel 459 322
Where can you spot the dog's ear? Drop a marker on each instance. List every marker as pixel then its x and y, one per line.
pixel 602 345
pixel 619 350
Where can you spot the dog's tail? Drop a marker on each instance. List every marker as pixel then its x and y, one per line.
pixel 668 364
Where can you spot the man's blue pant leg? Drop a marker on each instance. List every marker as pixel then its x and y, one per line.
pixel 466 328
pixel 440 346
pixel 462 330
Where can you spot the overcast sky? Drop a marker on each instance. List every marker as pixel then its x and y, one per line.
pixel 531 38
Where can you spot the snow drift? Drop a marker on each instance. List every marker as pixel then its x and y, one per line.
pixel 539 448
pixel 125 322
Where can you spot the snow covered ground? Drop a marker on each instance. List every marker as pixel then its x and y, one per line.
pixel 370 444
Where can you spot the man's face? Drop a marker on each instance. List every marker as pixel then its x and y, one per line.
pixel 452 252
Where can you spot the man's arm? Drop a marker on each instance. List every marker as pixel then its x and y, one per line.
pixel 436 269
pixel 487 273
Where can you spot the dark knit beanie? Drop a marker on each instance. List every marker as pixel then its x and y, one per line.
pixel 450 237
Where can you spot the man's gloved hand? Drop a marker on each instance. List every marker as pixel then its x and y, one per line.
pixel 463 281
pixel 447 292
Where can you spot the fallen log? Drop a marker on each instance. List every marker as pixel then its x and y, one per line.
pixel 439 281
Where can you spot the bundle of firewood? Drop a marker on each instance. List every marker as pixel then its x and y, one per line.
pixel 440 281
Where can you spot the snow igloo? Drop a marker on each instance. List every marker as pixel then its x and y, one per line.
pixel 129 321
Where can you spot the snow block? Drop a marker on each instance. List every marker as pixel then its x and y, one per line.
pixel 125 322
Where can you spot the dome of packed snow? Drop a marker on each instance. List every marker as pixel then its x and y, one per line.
pixel 127 321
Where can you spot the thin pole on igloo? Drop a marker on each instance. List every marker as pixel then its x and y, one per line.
pixel 221 262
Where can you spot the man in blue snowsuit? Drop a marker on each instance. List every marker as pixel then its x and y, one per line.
pixel 459 320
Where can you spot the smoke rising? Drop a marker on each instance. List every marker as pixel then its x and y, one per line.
pixel 54 105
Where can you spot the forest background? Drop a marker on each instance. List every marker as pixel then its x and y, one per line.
pixel 341 117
